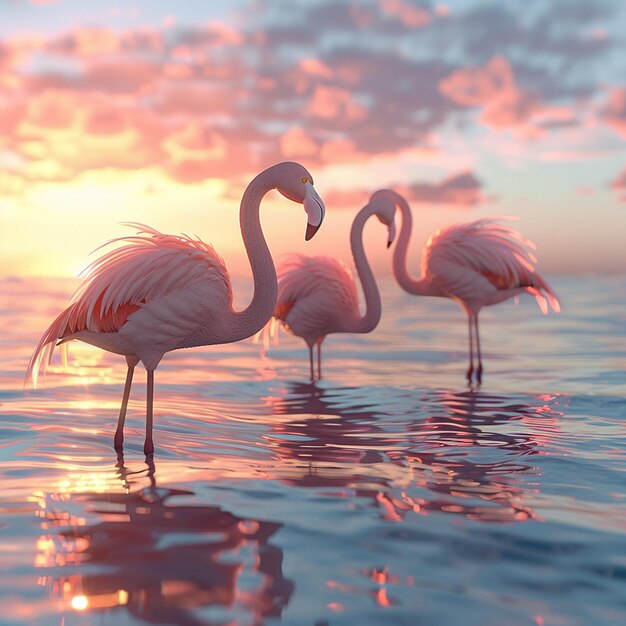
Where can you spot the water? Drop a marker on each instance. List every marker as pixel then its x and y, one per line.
pixel 388 493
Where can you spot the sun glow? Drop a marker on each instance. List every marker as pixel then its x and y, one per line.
pixel 41 236
pixel 80 603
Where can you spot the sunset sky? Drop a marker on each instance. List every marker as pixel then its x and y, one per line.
pixel 161 112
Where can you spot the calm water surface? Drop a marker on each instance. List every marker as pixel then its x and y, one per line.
pixel 387 493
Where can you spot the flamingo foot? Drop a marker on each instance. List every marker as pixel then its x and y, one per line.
pixel 468 375
pixel 479 374
pixel 118 441
pixel 148 447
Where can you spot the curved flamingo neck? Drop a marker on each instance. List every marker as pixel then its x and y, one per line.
pixel 249 321
pixel 418 287
pixel 373 307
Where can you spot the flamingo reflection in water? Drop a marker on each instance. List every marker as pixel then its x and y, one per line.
pixel 443 464
pixel 164 562
pixel 459 441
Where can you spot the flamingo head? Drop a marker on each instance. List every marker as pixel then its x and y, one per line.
pixel 383 205
pixel 295 183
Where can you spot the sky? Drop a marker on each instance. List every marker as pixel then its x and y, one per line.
pixel 160 113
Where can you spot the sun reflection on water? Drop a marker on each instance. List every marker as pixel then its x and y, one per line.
pixel 139 550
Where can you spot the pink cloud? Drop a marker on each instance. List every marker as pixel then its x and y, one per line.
pixel 93 42
pixel 195 142
pixel 362 16
pixel 209 36
pixel 193 99
pixel 154 86
pixel 492 88
pixel 223 35
pixel 477 86
pixel 210 100
pixel 11 113
pixel 61 154
pixel 58 134
pixel 137 103
pixel 331 102
pixel 619 185
pixel 297 143
pixel 178 71
pixel 52 109
pixel 341 150
pixel 614 113
pixel 16 51
pixel 131 76
pixel 410 15
pixel 86 42
pixel 314 67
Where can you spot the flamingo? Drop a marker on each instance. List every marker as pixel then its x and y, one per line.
pixel 317 295
pixel 476 264
pixel 161 292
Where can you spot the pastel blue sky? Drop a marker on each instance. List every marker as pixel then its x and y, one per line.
pixel 161 112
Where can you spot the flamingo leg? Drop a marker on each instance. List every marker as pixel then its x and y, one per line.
pixel 470 369
pixel 311 369
pixel 148 446
pixel 118 440
pixel 151 471
pixel 319 359
pixel 479 371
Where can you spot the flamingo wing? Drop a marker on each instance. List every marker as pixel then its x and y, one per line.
pixel 171 279
pixel 473 261
pixel 315 293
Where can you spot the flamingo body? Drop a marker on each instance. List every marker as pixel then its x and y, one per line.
pixel 158 293
pixel 482 263
pixel 155 294
pixel 316 296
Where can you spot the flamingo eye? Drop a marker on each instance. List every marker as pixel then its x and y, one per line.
pixel 305 180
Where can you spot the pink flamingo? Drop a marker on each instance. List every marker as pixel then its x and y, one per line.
pixel 318 296
pixel 477 264
pixel 164 292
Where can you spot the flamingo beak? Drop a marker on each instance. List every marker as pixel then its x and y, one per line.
pixel 310 231
pixel 392 234
pixel 315 210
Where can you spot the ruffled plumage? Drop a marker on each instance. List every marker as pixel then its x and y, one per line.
pixel 316 295
pixel 481 262
pixel 147 273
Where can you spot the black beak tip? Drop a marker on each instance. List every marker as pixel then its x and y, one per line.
pixel 310 231
pixel 389 244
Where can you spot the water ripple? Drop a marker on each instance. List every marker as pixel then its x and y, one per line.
pixel 386 493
